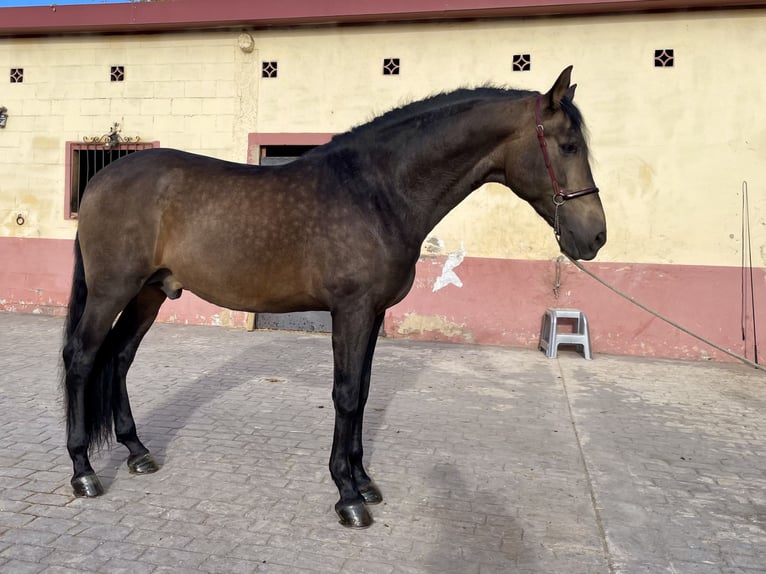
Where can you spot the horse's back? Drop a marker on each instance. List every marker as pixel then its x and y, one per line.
pixel 147 187
pixel 148 174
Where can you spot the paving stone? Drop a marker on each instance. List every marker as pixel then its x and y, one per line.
pixel 367 567
pixel 48 499
pixel 57 525
pixel 64 570
pixel 104 517
pixel 173 558
pixel 77 543
pixel 27 536
pixel 159 538
pixel 14 519
pixel 125 550
pixel 221 565
pixel 491 460
pixel 26 552
pixel 122 566
pixel 22 567
pixel 83 561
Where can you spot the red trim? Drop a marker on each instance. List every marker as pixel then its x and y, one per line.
pixel 283 138
pixel 68 182
pixel 198 14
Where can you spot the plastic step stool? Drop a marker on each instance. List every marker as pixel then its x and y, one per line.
pixel 551 338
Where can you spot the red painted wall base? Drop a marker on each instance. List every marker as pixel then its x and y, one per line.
pixel 36 275
pixel 501 301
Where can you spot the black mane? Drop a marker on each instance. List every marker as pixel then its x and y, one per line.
pixel 443 105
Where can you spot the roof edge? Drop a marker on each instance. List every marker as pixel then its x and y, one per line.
pixel 168 15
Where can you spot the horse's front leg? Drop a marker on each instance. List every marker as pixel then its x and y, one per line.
pixel 351 332
pixel 367 488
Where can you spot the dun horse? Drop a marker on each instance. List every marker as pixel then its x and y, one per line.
pixel 339 229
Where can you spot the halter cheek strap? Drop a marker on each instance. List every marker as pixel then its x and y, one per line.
pixel 560 195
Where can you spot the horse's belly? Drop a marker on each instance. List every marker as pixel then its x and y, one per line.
pixel 263 305
pixel 260 292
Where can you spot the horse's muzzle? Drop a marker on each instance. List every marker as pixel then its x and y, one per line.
pixel 582 248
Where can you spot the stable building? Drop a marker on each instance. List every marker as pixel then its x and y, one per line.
pixel 668 90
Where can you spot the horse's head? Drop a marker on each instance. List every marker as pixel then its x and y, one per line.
pixel 547 165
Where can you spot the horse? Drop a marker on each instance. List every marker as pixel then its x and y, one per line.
pixel 338 230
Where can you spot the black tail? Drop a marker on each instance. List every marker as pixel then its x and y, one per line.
pixel 98 389
pixel 79 293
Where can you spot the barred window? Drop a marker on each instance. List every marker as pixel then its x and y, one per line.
pixel 85 159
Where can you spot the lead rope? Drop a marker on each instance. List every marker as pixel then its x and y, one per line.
pixel 664 318
pixel 556 223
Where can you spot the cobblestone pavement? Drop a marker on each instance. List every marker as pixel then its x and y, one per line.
pixel 490 460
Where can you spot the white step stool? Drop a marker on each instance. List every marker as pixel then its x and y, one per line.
pixel 550 338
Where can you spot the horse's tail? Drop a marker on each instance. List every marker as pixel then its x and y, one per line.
pixel 78 295
pixel 99 386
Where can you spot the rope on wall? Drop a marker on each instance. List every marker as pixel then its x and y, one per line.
pixel 557 280
pixel 747 263
pixel 664 318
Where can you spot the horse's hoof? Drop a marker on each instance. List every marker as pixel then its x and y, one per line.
pixel 354 515
pixel 371 494
pixel 142 464
pixel 88 485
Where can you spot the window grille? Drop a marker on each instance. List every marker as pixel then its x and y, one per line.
pixel 117 74
pixel 269 69
pixel 664 58
pixel 84 160
pixel 391 66
pixel 522 62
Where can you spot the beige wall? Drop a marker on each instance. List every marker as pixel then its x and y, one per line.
pixel 670 146
pixel 190 91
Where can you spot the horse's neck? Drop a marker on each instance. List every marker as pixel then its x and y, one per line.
pixel 458 156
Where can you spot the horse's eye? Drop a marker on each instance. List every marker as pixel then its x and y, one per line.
pixel 568 148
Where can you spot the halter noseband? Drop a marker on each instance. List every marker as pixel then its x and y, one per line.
pixel 560 195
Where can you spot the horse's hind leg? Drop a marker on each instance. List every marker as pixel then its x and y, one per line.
pixel 86 381
pixel 367 488
pixel 130 329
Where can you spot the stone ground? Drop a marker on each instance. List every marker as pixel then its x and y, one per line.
pixel 491 460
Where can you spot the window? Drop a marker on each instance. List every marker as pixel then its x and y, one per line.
pixel 275 148
pixel 117 74
pixel 664 58
pixel 522 62
pixel 391 66
pixel 269 69
pixel 84 160
pixel 281 154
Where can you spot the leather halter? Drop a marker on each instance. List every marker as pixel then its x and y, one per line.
pixel 560 195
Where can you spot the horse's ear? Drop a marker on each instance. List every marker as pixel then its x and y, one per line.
pixel 571 92
pixel 560 89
